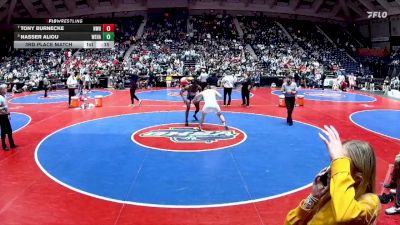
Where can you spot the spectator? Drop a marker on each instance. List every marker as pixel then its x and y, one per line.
pixel 394 184
pixel 386 85
pixel 343 193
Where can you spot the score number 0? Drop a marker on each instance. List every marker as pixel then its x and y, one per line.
pixel 108 27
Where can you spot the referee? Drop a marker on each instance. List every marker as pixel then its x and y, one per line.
pixel 71 84
pixel 289 89
pixel 5 120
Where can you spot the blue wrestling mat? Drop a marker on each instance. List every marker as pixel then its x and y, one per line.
pixel 384 122
pixel 151 159
pixel 53 97
pixel 19 121
pixel 332 96
pixel 173 95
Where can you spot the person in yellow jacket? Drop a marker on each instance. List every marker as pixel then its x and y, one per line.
pixel 344 193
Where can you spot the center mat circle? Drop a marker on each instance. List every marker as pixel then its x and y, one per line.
pixel 53 97
pixel 331 96
pixel 99 159
pixel 178 137
pixel 174 95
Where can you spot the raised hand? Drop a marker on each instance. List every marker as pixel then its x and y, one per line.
pixel 333 142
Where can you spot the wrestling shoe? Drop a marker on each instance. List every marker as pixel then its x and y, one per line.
pixel 195 118
pixel 187 123
pixel 389 185
pixel 393 210
pixel 226 127
pixel 140 102
pixel 385 198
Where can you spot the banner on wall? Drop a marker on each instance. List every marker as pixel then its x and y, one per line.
pixel 373 52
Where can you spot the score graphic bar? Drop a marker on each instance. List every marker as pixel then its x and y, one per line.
pixel 64 35
pixel 63 44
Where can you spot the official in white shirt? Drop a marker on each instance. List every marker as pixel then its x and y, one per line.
pixel 71 84
pixel 228 82
pixel 203 78
pixel 5 118
pixel 289 89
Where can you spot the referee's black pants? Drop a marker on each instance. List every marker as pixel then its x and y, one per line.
pixel 245 96
pixel 290 101
pixel 45 91
pixel 227 91
pixel 133 95
pixel 71 92
pixel 6 129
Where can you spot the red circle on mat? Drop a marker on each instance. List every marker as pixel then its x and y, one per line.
pixel 178 137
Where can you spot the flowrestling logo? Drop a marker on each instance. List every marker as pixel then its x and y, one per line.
pixel 177 137
pixel 377 15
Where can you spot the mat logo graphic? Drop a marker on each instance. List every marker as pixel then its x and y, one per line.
pixel 174 93
pixel 325 94
pixel 191 135
pixel 54 96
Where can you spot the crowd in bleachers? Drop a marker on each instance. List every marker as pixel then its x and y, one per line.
pixel 281 53
pixel 341 37
pixel 24 69
pixel 175 52
pixel 395 57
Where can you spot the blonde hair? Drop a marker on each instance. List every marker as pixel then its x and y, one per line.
pixel 363 160
pixel 3 87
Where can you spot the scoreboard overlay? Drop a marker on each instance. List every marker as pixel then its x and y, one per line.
pixel 58 33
